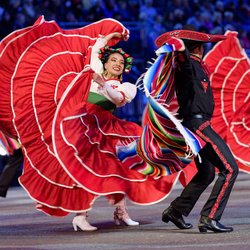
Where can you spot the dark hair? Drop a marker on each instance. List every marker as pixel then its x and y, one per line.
pixel 190 44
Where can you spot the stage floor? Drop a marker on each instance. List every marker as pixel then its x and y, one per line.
pixel 23 227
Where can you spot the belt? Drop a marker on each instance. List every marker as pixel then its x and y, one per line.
pixel 196 116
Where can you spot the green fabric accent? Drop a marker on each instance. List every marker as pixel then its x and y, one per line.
pixel 101 101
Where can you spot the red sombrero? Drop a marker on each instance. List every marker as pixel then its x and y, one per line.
pixel 188 35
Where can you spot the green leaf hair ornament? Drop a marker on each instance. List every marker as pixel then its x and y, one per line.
pixel 106 51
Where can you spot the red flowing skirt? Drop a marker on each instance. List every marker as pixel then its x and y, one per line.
pixel 230 80
pixel 68 143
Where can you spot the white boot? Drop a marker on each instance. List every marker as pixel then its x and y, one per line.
pixel 80 220
pixel 121 215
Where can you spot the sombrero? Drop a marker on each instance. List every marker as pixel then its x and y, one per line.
pixel 188 35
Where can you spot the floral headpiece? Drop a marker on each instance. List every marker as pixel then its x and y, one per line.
pixel 106 51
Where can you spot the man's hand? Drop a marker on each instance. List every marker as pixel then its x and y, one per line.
pixel 178 44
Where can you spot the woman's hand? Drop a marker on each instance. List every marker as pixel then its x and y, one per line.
pixel 113 35
pixel 98 79
pixel 117 35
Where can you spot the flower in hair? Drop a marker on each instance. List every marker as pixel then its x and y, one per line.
pixel 106 51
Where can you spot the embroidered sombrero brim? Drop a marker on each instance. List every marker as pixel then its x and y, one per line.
pixel 188 35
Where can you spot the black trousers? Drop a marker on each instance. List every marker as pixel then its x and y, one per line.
pixel 10 170
pixel 216 154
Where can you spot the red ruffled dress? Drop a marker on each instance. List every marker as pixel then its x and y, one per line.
pixel 69 143
pixel 230 79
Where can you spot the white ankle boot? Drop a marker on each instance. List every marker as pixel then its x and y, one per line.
pixel 121 215
pixel 81 222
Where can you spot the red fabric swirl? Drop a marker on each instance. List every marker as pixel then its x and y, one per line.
pixel 69 144
pixel 230 82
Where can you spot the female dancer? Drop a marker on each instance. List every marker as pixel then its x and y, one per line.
pixel 62 119
pixel 107 91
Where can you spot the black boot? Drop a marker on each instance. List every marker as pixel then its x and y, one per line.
pixel 10 171
pixel 212 225
pixel 170 214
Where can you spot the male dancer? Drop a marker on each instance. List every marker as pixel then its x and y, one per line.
pixel 196 105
